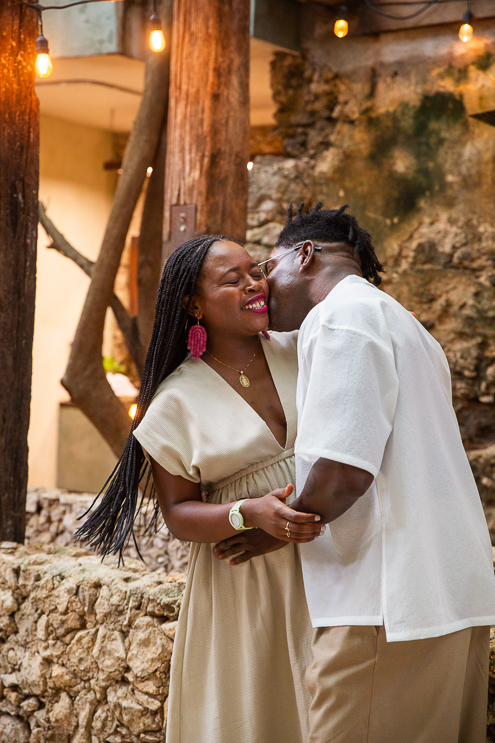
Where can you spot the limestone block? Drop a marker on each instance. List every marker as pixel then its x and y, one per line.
pixel 29 705
pixel 8 604
pixel 62 713
pixel 84 706
pixel 13 730
pixel 149 649
pixel 10 679
pixel 104 722
pixel 62 678
pixel 109 652
pixel 266 235
pixel 33 673
pixel 65 623
pixel 80 654
pixel 42 627
pixel 128 710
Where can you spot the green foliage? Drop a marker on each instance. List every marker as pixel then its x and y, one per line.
pixel 418 132
pixel 484 61
pixel 111 365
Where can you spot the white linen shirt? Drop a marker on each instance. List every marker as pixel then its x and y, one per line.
pixel 413 553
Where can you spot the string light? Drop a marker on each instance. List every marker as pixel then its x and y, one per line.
pixel 132 411
pixel 466 31
pixel 250 165
pixel 149 171
pixel 341 27
pixel 43 64
pixel 157 39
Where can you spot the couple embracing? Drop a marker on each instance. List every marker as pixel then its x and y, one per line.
pixel 355 609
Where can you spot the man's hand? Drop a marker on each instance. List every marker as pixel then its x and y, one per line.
pixel 245 545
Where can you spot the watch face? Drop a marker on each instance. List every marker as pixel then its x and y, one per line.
pixel 235 520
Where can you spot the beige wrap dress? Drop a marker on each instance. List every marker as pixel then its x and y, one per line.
pixel 243 638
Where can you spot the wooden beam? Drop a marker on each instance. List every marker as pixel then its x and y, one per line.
pixel 443 12
pixel 19 174
pixel 208 125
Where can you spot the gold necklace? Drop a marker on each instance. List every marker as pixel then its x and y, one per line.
pixel 243 379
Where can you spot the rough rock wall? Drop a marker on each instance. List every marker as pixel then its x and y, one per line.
pixel 84 648
pixel 382 123
pixel 52 519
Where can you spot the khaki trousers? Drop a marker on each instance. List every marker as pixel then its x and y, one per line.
pixel 367 690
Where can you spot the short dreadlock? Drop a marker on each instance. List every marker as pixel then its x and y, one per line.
pixel 332 226
pixel 110 524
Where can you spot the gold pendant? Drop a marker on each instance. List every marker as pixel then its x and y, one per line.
pixel 244 380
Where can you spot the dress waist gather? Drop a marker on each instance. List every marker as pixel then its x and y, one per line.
pixel 208 490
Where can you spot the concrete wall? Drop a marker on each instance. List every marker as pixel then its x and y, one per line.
pixel 77 193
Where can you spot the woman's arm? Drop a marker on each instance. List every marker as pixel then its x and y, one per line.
pixel 190 519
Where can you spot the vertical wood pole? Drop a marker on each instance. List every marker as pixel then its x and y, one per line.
pixel 208 124
pixel 19 175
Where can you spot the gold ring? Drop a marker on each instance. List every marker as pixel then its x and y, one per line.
pixel 287 530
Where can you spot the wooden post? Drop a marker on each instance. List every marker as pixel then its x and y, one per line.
pixel 208 124
pixel 19 174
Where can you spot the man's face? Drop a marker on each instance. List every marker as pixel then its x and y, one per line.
pixel 287 288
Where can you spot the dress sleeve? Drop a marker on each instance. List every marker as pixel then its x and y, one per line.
pixel 351 397
pixel 165 434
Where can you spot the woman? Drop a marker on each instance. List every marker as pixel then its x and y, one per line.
pixel 217 430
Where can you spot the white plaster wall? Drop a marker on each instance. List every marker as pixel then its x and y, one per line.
pixel 77 192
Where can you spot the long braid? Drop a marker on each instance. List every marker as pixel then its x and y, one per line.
pixel 332 225
pixel 110 524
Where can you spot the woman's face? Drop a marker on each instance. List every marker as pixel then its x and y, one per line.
pixel 231 296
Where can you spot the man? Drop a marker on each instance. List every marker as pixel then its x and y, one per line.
pixel 400 588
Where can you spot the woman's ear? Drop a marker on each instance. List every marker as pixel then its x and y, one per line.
pixel 194 309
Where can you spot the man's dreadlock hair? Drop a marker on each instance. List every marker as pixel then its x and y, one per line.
pixel 110 525
pixel 332 226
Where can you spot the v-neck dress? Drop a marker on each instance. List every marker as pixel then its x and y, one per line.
pixel 243 638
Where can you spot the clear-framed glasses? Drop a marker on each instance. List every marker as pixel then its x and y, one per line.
pixel 291 250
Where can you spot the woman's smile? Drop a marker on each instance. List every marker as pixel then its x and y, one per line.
pixel 257 304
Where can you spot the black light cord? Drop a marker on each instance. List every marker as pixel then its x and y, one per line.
pixel 425 7
pixel 38 7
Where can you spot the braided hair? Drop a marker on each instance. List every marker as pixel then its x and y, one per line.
pixel 332 226
pixel 110 525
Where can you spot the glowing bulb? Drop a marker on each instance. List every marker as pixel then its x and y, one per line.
pixel 157 39
pixel 133 411
pixel 43 65
pixel 341 28
pixel 149 171
pixel 250 165
pixel 466 31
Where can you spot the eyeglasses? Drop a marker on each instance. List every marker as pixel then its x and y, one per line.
pixel 291 250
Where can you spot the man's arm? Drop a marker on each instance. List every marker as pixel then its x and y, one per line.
pixel 331 489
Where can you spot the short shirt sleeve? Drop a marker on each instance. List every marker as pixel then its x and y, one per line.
pixel 350 402
pixel 164 434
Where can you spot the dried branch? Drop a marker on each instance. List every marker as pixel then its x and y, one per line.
pixel 85 378
pixel 126 322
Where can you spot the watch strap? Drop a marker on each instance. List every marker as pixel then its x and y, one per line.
pixel 235 511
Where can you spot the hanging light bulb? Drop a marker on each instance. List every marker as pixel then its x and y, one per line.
pixel 132 411
pixel 43 64
pixel 157 39
pixel 466 31
pixel 341 27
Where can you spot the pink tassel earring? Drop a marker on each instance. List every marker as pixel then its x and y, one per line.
pixel 196 340
pixel 266 335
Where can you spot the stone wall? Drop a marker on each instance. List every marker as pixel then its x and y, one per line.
pixel 52 517
pixel 383 123
pixel 84 648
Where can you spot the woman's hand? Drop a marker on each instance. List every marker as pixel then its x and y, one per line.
pixel 272 515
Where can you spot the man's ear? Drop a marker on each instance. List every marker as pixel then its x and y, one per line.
pixel 194 309
pixel 306 255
